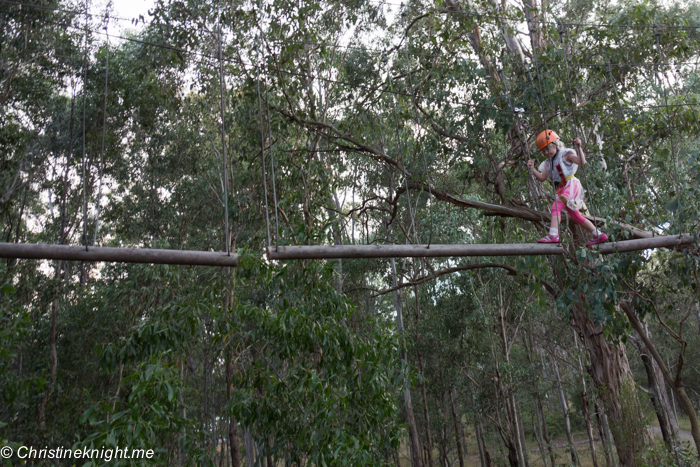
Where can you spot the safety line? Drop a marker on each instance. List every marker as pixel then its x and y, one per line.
pixel 577 127
pixel 272 153
pixel 262 145
pixel 85 201
pixel 635 149
pixel 525 147
pixel 104 127
pixel 538 90
pixel 403 168
pixel 420 141
pixel 674 158
pixel 222 94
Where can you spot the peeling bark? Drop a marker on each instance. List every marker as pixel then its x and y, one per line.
pixel 610 370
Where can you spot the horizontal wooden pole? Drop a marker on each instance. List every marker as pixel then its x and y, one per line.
pixel 411 251
pixel 662 241
pixel 208 258
pixel 496 249
pixel 116 255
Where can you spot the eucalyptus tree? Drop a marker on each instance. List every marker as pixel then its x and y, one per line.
pixel 247 125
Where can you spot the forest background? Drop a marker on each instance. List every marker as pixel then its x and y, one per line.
pixel 240 126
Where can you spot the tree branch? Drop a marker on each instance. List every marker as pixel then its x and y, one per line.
pixel 511 272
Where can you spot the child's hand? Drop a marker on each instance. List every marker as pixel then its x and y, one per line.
pixel 577 143
pixel 530 163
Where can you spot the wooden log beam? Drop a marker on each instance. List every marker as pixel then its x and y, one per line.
pixel 435 251
pixel 662 241
pixel 116 255
pixel 411 251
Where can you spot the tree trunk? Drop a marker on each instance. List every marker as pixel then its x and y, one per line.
pixel 586 407
pixel 612 376
pixel 510 436
pixel 249 448
pixel 269 456
pixel 538 436
pixel 675 383
pixel 408 406
pixel 457 431
pixel 443 443
pixel 545 432
pixel 513 441
pixel 233 424
pixel 480 444
pixel 589 427
pixel 664 416
pixel 426 414
pixel 53 358
pixel 565 413
pixel 183 412
pixel 605 436
pixel 662 396
pixel 521 434
pixel 234 447
pixel 487 454
pixel 541 419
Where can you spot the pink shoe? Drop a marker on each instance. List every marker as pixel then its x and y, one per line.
pixel 549 239
pixel 596 240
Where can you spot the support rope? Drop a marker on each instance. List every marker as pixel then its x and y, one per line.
pixel 84 161
pixel 578 129
pixel 262 143
pixel 523 144
pixel 538 90
pixel 222 94
pixel 420 141
pixel 104 125
pixel 403 168
pixel 674 159
pixel 272 165
pixel 634 147
pixel 269 136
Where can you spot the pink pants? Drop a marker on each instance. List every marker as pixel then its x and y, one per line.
pixel 575 215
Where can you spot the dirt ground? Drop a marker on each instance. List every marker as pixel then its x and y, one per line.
pixel 561 451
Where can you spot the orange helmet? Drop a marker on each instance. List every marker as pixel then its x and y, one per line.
pixel 546 137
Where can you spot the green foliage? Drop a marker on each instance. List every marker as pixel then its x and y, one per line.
pixel 634 432
pixel 150 419
pixel 358 108
pixel 659 455
pixel 315 389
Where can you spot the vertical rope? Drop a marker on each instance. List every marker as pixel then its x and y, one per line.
pixel 222 93
pixel 633 143
pixel 674 160
pixel 262 144
pixel 578 129
pixel 85 201
pixel 538 94
pixel 420 141
pixel 272 165
pixel 398 140
pixel 403 169
pixel 269 132
pixel 538 91
pixel 523 144
pixel 104 126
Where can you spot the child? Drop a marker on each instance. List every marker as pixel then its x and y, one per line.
pixel 559 168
